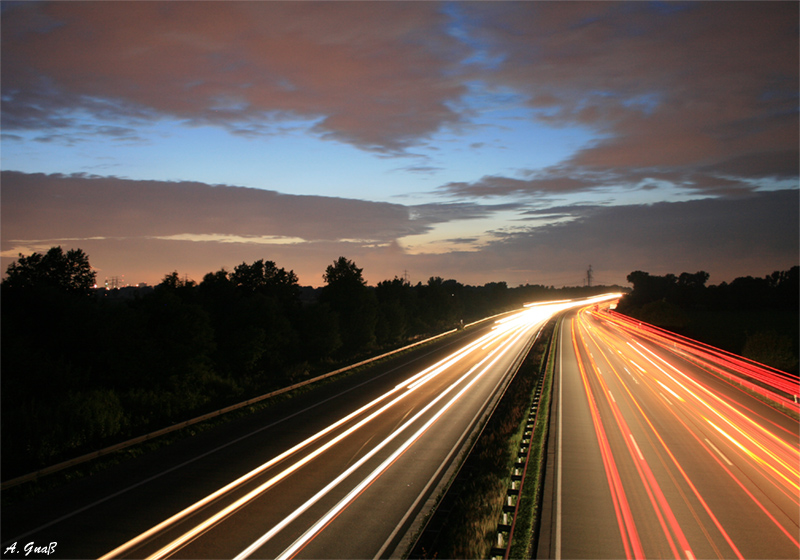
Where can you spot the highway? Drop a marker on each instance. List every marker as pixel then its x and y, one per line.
pixel 344 473
pixel 657 453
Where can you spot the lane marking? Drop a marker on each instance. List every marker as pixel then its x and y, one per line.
pixel 560 441
pixel 714 447
pixel 638 451
pixel 634 363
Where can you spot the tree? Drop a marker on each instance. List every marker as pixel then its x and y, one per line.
pixel 172 281
pixel 396 301
pixel 264 276
pixel 70 272
pixel 691 289
pixel 664 314
pixel 253 313
pixel 441 303
pixel 320 332
pixel 265 279
pixel 696 280
pixel 353 303
pixel 343 271
pixel 217 286
pixel 647 288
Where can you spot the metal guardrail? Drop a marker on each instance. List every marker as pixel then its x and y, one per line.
pixel 180 425
pixel 505 528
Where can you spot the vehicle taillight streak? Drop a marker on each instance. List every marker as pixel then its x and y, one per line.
pixel 677 427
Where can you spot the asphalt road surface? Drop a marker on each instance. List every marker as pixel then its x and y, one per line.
pixel 343 472
pixel 658 455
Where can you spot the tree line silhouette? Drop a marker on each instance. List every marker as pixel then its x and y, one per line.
pixel 84 368
pixel 753 317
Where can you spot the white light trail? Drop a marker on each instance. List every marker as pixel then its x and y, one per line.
pixel 519 322
pixel 353 494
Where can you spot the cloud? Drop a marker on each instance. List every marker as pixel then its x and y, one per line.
pixel 752 234
pixel 700 97
pixel 436 213
pixel 38 206
pixel 376 75
pixel 725 236
pixel 180 224
pixel 566 179
pixel 495 185
pixel 698 84
pixel 424 169
pixel 701 84
pixel 779 164
pixel 56 206
pixel 146 229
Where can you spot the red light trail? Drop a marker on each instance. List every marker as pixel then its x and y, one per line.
pixel 686 430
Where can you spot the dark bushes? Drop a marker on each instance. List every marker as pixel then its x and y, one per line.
pixel 754 317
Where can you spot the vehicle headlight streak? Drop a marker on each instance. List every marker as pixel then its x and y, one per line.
pixel 214 519
pixel 319 525
pixel 509 331
pixel 738 416
pixel 777 459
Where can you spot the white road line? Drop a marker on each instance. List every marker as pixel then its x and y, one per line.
pixel 638 451
pixel 560 440
pixel 714 447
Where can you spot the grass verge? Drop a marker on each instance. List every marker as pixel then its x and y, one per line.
pixel 525 538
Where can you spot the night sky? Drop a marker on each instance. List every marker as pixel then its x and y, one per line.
pixel 517 142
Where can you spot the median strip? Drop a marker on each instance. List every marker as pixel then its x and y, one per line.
pixel 492 482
